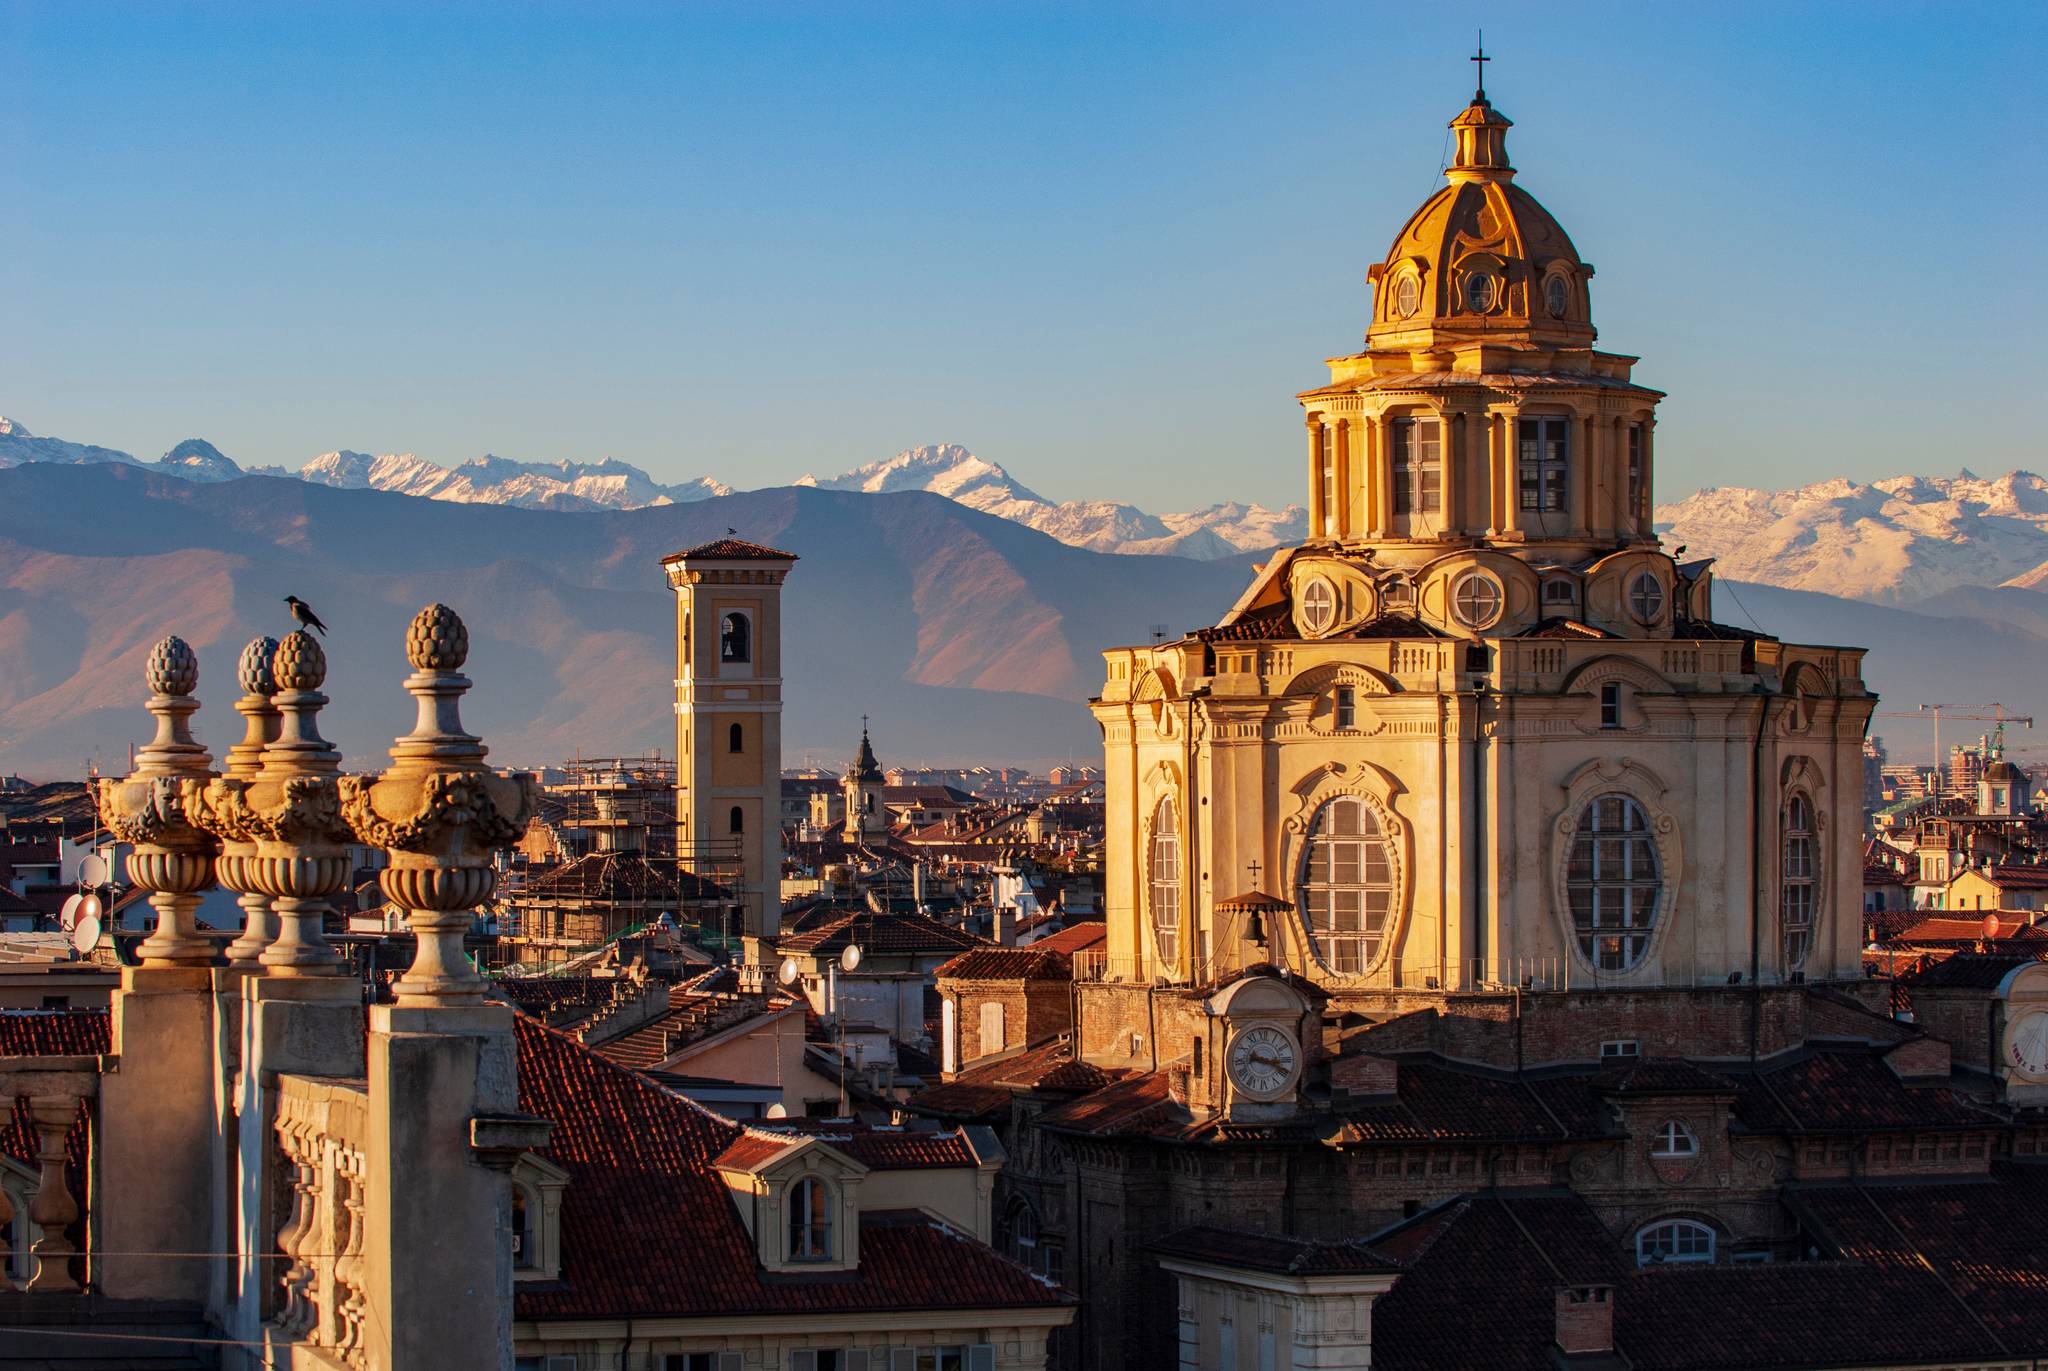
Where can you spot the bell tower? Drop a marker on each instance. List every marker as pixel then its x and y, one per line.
pixel 729 724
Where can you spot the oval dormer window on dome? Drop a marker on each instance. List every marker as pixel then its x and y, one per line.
pixel 1646 597
pixel 1318 606
pixel 1557 296
pixel 1482 291
pixel 1407 296
pixel 1476 600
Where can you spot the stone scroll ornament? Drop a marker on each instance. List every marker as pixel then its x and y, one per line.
pixel 442 814
pixel 173 859
pixel 280 818
pixel 221 806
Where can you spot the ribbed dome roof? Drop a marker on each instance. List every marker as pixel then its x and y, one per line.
pixel 1481 259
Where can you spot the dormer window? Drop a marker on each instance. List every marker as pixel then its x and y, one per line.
pixel 1560 594
pixel 1674 1139
pixel 536 1237
pixel 1407 296
pixel 1318 605
pixel 810 1220
pixel 1482 291
pixel 1646 597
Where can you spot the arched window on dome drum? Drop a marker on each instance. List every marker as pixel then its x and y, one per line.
pixel 1347 885
pixel 1163 889
pixel 1543 459
pixel 1418 467
pixel 1800 881
pixel 1326 469
pixel 1613 882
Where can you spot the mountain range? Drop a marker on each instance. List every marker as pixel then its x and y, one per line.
pixel 1220 531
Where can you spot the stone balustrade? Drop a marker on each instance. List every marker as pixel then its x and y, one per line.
pixel 54 1088
pixel 322 1294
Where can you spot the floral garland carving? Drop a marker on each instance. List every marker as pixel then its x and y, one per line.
pixel 446 800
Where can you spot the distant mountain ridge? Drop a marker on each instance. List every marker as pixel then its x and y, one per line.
pixel 1903 540
pixel 947 469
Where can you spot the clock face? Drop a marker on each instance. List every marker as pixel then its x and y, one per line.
pixel 1263 1061
pixel 2026 1045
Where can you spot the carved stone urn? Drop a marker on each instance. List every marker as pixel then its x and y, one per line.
pixel 216 805
pixel 291 810
pixel 172 859
pixel 441 813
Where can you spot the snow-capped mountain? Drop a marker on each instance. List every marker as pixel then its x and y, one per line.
pixel 947 469
pixel 18 445
pixel 195 459
pixel 1895 541
pixel 491 480
pixel 1100 525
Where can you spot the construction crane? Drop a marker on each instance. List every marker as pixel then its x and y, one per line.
pixel 1998 714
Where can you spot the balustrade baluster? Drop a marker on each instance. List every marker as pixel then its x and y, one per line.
pixel 54 1208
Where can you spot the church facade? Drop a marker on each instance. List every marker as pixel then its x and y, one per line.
pixel 1482 729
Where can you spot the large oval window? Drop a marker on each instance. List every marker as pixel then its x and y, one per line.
pixel 1614 883
pixel 1346 892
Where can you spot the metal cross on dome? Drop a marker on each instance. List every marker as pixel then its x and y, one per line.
pixel 1479 61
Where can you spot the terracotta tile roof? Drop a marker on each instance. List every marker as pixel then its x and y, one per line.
pixel 1272 1252
pixel 1956 929
pixel 1033 963
pixel 624 876
pixel 1833 1090
pixel 885 934
pixel 1926 1274
pixel 1268 623
pixel 1662 1076
pixel 1135 1106
pixel 1433 1102
pixel 1969 970
pixel 694 1013
pixel 649 1228
pixel 730 550
pixel 1558 626
pixel 2017 877
pixel 1075 937
pixel 877 1148
pixel 55 1032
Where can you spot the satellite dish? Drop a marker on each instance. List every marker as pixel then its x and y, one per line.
pixel 67 918
pixel 1990 926
pixel 89 907
pixel 789 971
pixel 850 958
pixel 86 936
pixel 92 869
pixel 778 1111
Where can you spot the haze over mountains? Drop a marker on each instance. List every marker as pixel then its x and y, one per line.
pixel 936 592
pixel 945 469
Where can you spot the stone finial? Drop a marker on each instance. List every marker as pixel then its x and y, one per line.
pixel 437 640
pixel 172 859
pixel 437 644
pixel 173 667
pixel 253 671
pixel 299 664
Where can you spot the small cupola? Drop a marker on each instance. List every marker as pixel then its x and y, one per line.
pixel 1482 153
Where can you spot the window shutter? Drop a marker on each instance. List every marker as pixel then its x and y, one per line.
pixel 803 1359
pixel 981 1357
pixel 854 1359
pixel 903 1359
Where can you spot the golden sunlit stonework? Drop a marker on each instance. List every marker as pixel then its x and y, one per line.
pixel 1481 729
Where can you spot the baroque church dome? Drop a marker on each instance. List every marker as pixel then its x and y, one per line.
pixel 1481 260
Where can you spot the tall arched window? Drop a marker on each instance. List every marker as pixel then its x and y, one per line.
pixel 810 1220
pixel 1799 891
pixel 736 821
pixel 1163 888
pixel 1674 1240
pixel 1613 882
pixel 735 739
pixel 1347 884
pixel 735 639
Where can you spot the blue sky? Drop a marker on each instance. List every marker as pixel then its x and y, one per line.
pixel 1100 244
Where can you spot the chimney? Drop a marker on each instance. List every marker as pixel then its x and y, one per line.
pixel 1585 1320
pixel 1006 925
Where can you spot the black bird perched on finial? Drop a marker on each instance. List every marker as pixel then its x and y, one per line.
pixel 303 612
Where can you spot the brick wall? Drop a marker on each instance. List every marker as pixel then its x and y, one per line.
pixel 1033 1012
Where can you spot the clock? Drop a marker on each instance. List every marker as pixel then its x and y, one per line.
pixel 1263 1061
pixel 2026 1045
